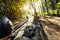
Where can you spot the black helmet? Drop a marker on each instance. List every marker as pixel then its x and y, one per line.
pixel 5 26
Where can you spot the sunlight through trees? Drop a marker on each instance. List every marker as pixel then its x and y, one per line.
pixel 17 9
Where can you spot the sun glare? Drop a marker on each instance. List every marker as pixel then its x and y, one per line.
pixel 37 5
pixel 30 9
pixel 26 7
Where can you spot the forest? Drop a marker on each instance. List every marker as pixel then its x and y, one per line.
pixel 46 10
pixel 17 10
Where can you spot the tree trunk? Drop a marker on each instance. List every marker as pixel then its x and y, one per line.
pixel 58 14
pixel 35 14
pixel 43 7
pixel 53 4
pixel 46 7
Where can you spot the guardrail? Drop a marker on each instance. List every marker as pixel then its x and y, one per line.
pixel 20 24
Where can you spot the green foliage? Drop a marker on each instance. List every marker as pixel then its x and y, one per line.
pixel 58 5
pixel 13 9
pixel 54 12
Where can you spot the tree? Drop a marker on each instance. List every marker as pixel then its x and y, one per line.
pixel 35 12
pixel 58 14
pixel 46 7
pixel 13 9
